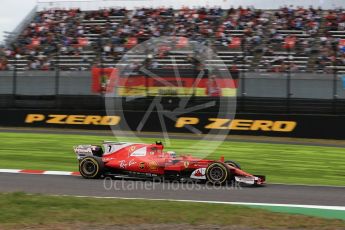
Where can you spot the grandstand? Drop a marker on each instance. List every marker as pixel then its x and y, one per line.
pixel 284 59
pixel 247 39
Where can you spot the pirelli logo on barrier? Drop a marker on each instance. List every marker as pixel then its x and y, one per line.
pixel 64 119
pixel 202 124
pixel 239 124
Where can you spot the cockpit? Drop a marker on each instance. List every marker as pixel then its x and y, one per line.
pixel 172 154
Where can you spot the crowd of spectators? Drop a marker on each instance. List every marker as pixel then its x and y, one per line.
pixel 288 18
pixel 335 20
pixel 252 23
pixel 108 33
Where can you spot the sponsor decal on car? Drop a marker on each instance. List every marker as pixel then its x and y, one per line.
pixel 199 174
pixel 153 165
pixel 106 159
pixel 142 174
pixel 141 152
pixel 246 180
pixel 142 165
pixel 132 148
pixel 122 164
pixel 83 150
pixel 132 162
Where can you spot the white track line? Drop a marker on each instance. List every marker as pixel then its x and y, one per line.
pixel 337 208
pixel 312 185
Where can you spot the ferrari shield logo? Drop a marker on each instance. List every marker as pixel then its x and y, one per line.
pixel 132 148
pixel 141 165
pixel 186 164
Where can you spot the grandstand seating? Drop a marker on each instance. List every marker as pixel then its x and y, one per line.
pixel 296 40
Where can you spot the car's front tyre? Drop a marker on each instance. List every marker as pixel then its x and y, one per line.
pixel 217 173
pixel 91 167
pixel 233 164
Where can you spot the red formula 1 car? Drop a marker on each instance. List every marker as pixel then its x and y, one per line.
pixel 149 160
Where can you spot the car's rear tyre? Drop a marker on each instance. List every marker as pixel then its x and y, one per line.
pixel 233 164
pixel 217 173
pixel 91 167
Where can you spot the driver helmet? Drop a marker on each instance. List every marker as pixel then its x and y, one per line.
pixel 172 154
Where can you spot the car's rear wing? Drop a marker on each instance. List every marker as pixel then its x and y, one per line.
pixel 83 151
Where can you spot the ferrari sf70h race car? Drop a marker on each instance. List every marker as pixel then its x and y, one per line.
pixel 140 160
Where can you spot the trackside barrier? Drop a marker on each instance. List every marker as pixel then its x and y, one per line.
pixel 289 125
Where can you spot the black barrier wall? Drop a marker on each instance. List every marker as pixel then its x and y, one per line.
pixel 306 126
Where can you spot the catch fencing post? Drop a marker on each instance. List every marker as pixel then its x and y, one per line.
pixel 335 76
pixel 14 80
pixel 243 75
pixel 288 81
pixel 57 74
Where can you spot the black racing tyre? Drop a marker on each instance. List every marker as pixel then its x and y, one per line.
pixel 233 163
pixel 217 173
pixel 91 167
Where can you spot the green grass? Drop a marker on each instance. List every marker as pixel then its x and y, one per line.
pixel 19 210
pixel 281 163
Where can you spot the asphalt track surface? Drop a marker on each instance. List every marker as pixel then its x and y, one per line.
pixel 77 186
pixel 74 185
